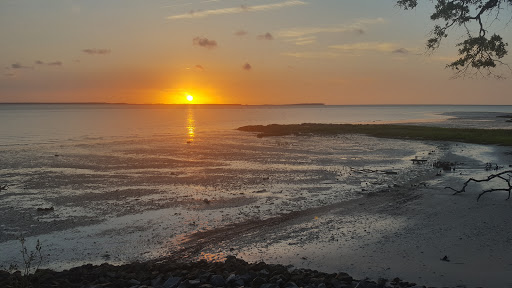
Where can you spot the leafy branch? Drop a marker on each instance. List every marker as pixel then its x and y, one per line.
pixel 479 53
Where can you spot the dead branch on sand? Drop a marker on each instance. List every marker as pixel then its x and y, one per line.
pixel 505 176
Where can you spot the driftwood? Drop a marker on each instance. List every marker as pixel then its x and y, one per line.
pixel 368 171
pixel 505 176
pixel 4 187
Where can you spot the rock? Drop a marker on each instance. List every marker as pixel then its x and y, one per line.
pixel 246 278
pixel 172 282
pixel 217 281
pixel 263 274
pixel 276 278
pixel 342 276
pixel 232 273
pixel 335 283
pixel 257 282
pixel 204 277
pixel 232 278
pixel 156 282
pixel 290 285
pixel 381 283
pixel 366 284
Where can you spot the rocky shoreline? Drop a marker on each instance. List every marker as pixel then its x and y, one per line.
pixel 233 272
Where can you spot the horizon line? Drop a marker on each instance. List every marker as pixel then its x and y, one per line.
pixel 238 104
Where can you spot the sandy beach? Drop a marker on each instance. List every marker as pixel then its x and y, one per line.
pixel 314 202
pixel 406 234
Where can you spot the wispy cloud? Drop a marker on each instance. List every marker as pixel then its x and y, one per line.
pixel 199 67
pixel 401 51
pixel 312 55
pixel 188 3
pixel 236 10
pixel 266 36
pixel 366 46
pixel 241 33
pixel 55 63
pixel 19 66
pixel 302 40
pixel 204 42
pixel 307 35
pixel 94 51
pixel 247 67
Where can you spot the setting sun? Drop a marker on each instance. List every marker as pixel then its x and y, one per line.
pixel 190 98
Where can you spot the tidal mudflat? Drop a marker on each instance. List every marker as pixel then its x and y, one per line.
pixel 348 203
pixel 150 192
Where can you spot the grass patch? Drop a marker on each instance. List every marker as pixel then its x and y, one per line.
pixel 477 136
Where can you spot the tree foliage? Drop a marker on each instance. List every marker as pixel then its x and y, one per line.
pixel 480 52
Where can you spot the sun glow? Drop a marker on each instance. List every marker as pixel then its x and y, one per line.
pixel 189 96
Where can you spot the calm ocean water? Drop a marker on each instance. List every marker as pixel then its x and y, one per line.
pixel 52 123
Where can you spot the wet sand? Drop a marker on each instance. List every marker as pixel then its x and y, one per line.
pixel 405 234
pixel 285 200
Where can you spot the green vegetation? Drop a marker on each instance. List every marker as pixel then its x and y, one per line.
pixel 477 136
pixel 480 52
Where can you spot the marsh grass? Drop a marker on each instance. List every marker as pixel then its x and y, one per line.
pixel 476 136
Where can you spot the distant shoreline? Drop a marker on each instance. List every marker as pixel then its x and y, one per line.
pixel 108 103
pixel 410 132
pixel 238 104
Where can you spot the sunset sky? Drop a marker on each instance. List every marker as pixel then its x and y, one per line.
pixel 231 51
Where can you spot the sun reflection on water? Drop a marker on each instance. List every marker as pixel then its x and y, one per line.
pixel 191 125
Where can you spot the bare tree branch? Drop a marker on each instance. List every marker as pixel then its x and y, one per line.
pixel 505 176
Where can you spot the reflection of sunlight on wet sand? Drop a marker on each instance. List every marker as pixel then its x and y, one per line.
pixel 191 125
pixel 213 257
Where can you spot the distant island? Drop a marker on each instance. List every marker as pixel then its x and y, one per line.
pixel 158 104
pixel 293 104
